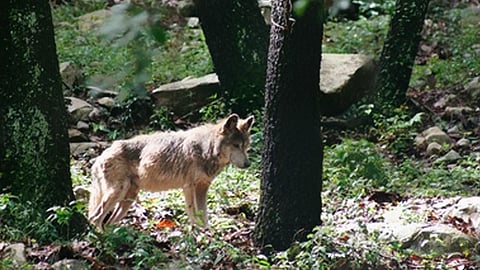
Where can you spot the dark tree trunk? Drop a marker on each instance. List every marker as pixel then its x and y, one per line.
pixel 290 202
pixel 34 150
pixel 237 38
pixel 398 54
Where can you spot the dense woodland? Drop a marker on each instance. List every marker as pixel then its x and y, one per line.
pixel 384 175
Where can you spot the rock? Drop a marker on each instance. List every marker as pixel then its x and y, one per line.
pixel 450 157
pixel 92 20
pixel 439 239
pixel 76 135
pixel 78 109
pixel 193 22
pixel 435 134
pixel 96 114
pixel 82 193
pixel 444 101
pixel 433 148
pixel 344 79
pixel 467 209
pixel 97 92
pixel 106 102
pixel 464 143
pixel 17 253
pixel 473 88
pixel 187 95
pixel 457 111
pixel 71 74
pixel 73 264
pixel 82 126
pixel 420 142
pixel 80 148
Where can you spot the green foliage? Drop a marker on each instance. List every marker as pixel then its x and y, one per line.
pixel 354 168
pixel 132 55
pixel 458 37
pixel 364 36
pixel 127 245
pixel 397 132
pixel 22 222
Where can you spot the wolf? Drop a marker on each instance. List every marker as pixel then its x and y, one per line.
pixel 188 159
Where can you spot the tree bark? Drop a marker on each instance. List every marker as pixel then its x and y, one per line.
pixel 34 149
pixel 290 201
pixel 398 54
pixel 237 38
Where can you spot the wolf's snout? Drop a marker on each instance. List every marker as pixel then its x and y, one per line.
pixel 246 164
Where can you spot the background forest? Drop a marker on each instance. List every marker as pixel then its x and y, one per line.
pixel 400 187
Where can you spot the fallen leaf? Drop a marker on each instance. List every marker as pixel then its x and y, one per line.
pixel 165 223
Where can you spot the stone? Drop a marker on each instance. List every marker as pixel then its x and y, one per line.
pixel 82 126
pixel 440 239
pixel 17 253
pixel 420 142
pixel 97 92
pixel 433 148
pixel 106 102
pixel 450 157
pixel 187 95
pixel 67 264
pixel 76 135
pixel 193 22
pixel 457 111
pixel 467 209
pixel 81 193
pixel 78 109
pixel 344 79
pixel 96 114
pixel 92 20
pixel 473 88
pixel 435 134
pixel 80 148
pixel 444 101
pixel 71 74
pixel 464 143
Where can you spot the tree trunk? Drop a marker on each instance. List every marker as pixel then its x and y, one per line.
pixel 290 202
pixel 398 54
pixel 34 150
pixel 237 38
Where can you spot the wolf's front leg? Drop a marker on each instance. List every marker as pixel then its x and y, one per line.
pixel 196 203
pixel 201 203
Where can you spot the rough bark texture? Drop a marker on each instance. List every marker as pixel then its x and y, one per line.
pixel 34 151
pixel 237 39
pixel 398 54
pixel 290 202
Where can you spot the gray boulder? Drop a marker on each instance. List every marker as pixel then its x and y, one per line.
pixel 187 95
pixel 78 109
pixel 344 79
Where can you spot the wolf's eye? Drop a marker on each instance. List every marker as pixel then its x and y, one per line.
pixel 236 145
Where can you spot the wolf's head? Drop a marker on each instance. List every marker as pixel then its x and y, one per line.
pixel 235 140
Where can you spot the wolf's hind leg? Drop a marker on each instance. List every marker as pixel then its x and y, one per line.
pixel 111 196
pixel 122 207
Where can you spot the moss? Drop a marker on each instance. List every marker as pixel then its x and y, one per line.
pixel 28 146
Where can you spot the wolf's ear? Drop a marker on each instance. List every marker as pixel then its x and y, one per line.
pixel 230 123
pixel 246 124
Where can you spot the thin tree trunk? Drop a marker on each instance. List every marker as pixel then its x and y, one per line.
pixel 398 54
pixel 237 38
pixel 34 150
pixel 290 202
